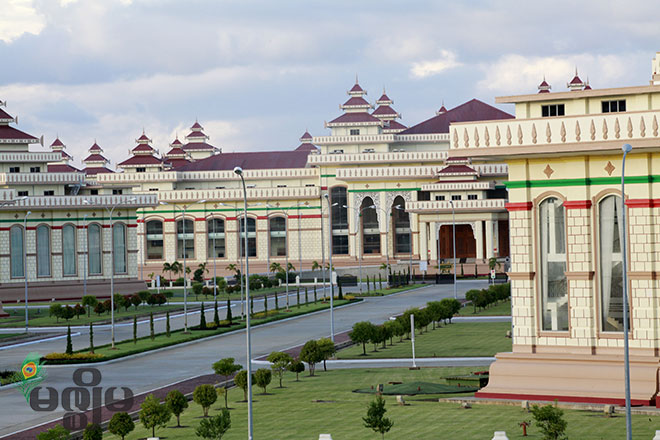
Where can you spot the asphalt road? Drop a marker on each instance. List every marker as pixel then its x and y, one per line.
pixel 162 367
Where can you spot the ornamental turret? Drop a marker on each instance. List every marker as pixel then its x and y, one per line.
pixel 576 83
pixel 143 158
pixel 96 163
pixel 176 157
pixel 62 165
pixel 356 119
pixel 197 146
pixel 388 115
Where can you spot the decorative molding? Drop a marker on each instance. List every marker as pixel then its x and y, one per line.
pixel 577 204
pixel 653 275
pixel 521 276
pixel 519 206
pixel 584 276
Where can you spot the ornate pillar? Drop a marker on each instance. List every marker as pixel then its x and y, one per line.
pixel 423 240
pixel 433 239
pixel 490 244
pixel 479 238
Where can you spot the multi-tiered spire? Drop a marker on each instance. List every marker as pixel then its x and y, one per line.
pixel 197 145
pixel 12 139
pixel 143 157
pixel 176 157
pixel 96 163
pixel 356 110
pixel 388 115
pixel 306 142
pixel 61 166
pixel 576 83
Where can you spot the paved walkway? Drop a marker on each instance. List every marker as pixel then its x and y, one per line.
pixel 163 367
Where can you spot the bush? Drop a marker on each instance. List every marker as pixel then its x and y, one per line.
pixel 178 282
pixel 72 357
pixel 197 288
pixel 144 295
pixel 215 427
pixel 93 432
pixel 56 433
pixel 550 420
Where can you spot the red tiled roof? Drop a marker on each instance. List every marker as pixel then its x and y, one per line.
pixel 196 125
pixel 5 115
pixel 306 146
pixel 576 80
pixel 384 98
pixel 176 152
pixel 143 147
pixel 196 134
pixel 356 101
pixel 95 147
pixel 65 154
pixel 95 158
pixel 250 161
pixel 62 168
pixel 92 171
pixel 176 163
pixel 443 109
pixel 141 160
pixel 176 142
pixel 356 88
pixel 473 110
pixel 306 136
pixel 348 118
pixel 587 87
pixel 394 125
pixel 7 132
pixel 385 110
pixel 57 143
pixel 143 138
pixel 455 169
pixel 198 146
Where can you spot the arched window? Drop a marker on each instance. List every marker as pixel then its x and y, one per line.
pixel 278 239
pixel 216 234
pixel 611 263
pixel 339 220
pixel 43 251
pixel 17 251
pixel 154 240
pixel 185 233
pixel 552 256
pixel 119 247
pixel 69 266
pixel 401 225
pixel 251 234
pixel 370 230
pixel 94 249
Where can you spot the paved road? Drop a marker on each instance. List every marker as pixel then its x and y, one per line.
pixel 162 367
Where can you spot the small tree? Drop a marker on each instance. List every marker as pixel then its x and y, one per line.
pixel 205 396
pixel 280 362
pixel 134 329
pixel 202 318
pixel 262 378
pixel 327 348
pixel 306 296
pixel 68 312
pixel 378 336
pixel 398 330
pixel 153 414
pixel 136 300
pixel 177 403
pixel 215 427
pixel 151 325
pixel 226 367
pixel 296 366
pixel 91 337
pixel 361 334
pixel 90 302
pixel 228 318
pixel 168 331
pixel 127 302
pixel 550 420
pixel 375 419
pixel 341 292
pixel 121 424
pixel 93 432
pixel 58 432
pixel 240 380
pixel 78 310
pixel 311 354
pixel 56 311
pixel 216 317
pixel 69 343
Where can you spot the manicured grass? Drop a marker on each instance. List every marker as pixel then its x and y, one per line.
pixel 384 291
pixel 10 335
pixel 458 339
pixel 326 404
pixel 501 309
pixel 127 347
pixel 40 318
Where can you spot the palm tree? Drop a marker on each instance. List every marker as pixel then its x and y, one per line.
pixel 203 267
pixel 315 265
pixel 168 268
pixel 176 268
pixel 276 267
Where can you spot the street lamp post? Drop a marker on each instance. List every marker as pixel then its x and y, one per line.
pixel 453 237
pixel 86 255
pixel 25 267
pixel 185 280
pixel 239 171
pixel 627 148
pixel 332 286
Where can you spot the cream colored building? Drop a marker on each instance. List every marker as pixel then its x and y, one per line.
pixel 564 155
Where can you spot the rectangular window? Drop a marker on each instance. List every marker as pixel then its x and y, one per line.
pixel 456 197
pixel 552 270
pixel 117 191
pixel 281 186
pixel 472 197
pixel 22 193
pixel 35 169
pixel 355 132
pixel 68 250
pixel 49 193
pixel 94 192
pixel 140 170
pixel 153 189
pixel 439 198
pixel 618 105
pixel 552 110
pixel 14 169
pixel 310 185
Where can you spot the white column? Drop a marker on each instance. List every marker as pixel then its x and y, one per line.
pixel 423 240
pixel 433 240
pixel 489 239
pixel 479 237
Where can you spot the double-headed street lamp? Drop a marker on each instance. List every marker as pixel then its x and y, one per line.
pixel 332 286
pixel 627 148
pixel 239 172
pixel 185 280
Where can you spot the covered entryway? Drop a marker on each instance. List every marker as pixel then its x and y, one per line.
pixel 466 245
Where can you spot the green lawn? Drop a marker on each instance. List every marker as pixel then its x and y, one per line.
pixel 385 291
pixel 501 309
pixel 326 404
pixel 10 335
pixel 458 339
pixel 40 318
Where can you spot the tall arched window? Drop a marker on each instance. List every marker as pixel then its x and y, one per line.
pixel 610 231
pixel 69 266
pixel 154 240
pixel 119 247
pixel 370 230
pixel 43 251
pixel 94 249
pixel 278 239
pixel 339 220
pixel 16 251
pixel 216 235
pixel 401 225
pixel 251 234
pixel 552 256
pixel 188 227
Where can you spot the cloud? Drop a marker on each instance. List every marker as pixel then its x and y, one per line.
pixel 423 69
pixel 19 17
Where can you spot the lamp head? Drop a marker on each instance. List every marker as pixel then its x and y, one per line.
pixel 163 203
pixel 627 148
pixel 28 213
pixel 238 170
pixel 325 195
pixel 202 201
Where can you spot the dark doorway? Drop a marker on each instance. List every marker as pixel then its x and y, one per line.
pixel 466 245
pixel 503 238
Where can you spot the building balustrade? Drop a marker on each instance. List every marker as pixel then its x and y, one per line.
pixel 494 205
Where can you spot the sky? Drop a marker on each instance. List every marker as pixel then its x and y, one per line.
pixel 258 73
